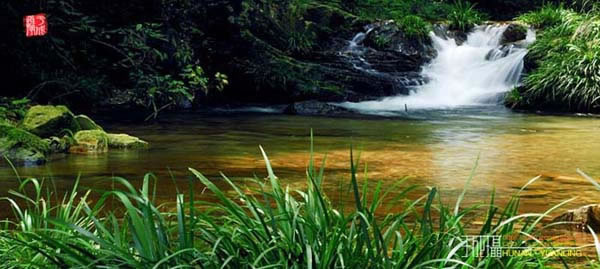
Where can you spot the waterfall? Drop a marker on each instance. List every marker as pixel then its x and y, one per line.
pixel 474 73
pixel 355 51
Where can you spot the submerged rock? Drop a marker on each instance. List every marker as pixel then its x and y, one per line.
pixel 125 141
pixel 315 108
pixel 46 121
pixel 582 217
pixel 85 123
pixel 90 142
pixel 21 146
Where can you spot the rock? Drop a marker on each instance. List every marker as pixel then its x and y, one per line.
pixel 90 142
pixel 46 121
pixel 315 108
pixel 582 217
pixel 387 36
pixel 460 37
pixel 514 33
pixel 22 147
pixel 125 141
pixel 59 145
pixel 85 123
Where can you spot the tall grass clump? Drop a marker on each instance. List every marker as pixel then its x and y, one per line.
pixel 263 224
pixel 414 27
pixel 463 16
pixel 566 57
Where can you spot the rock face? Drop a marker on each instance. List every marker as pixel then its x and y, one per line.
pixel 22 147
pixel 315 108
pixel 125 141
pixel 85 123
pixel 90 142
pixel 46 121
pixel 348 61
pixel 582 217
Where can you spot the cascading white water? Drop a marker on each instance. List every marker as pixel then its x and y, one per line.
pixel 473 73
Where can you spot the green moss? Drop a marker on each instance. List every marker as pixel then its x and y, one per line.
pixel 90 141
pixel 123 141
pixel 46 121
pixel 11 136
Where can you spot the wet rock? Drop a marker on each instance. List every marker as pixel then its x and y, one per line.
pixel 387 36
pixel 90 142
pixel 514 33
pixel 315 108
pixel 125 141
pixel 21 146
pixel 582 217
pixel 442 30
pixel 59 145
pixel 85 123
pixel 46 121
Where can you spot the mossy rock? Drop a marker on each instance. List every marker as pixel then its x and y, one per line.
pixel 46 121
pixel 59 145
pixel 90 142
pixel 86 123
pixel 125 141
pixel 21 146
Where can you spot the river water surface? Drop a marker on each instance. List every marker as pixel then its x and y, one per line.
pixel 431 147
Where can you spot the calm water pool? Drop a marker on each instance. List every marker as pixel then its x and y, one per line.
pixel 432 147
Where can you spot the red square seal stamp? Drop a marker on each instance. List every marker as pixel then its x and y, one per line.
pixel 35 25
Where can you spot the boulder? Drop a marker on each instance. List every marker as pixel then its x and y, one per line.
pixel 582 217
pixel 21 146
pixel 90 142
pixel 85 123
pixel 46 121
pixel 514 33
pixel 315 108
pixel 125 141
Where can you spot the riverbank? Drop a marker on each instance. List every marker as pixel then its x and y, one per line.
pixel 254 53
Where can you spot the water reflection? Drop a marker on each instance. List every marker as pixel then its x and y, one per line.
pixel 440 149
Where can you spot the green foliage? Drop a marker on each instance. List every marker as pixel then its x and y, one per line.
pixel 568 59
pixel 430 10
pixel 463 16
pixel 92 53
pixel 13 110
pixel 258 224
pixel 282 21
pixel 414 27
pixel 547 16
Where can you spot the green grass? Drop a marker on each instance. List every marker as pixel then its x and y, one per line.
pixel 566 55
pixel 414 27
pixel 547 16
pixel 267 226
pixel 463 16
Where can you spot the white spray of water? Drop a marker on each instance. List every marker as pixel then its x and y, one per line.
pixel 473 73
